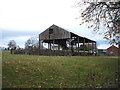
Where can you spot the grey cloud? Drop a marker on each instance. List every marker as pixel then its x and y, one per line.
pixel 9 33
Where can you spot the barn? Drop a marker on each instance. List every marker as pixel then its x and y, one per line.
pixel 63 42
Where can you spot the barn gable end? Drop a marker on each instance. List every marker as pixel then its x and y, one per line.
pixel 54 32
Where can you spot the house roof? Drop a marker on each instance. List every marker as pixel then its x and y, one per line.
pixel 112 47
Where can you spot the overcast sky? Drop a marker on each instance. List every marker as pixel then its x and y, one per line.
pixel 22 19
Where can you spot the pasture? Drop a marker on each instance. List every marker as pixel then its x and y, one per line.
pixel 32 71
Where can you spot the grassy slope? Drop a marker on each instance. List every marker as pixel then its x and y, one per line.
pixel 57 71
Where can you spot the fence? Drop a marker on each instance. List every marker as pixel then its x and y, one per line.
pixel 50 52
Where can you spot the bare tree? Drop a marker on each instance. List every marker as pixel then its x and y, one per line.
pixel 17 47
pixel 32 42
pixel 12 44
pixel 103 18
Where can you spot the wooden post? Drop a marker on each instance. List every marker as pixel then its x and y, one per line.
pixel 95 49
pixel 76 47
pixel 119 49
pixel 71 47
pixel 78 44
pixel 42 44
pixel 92 47
pixel 50 46
pixel 39 45
pixel 50 42
pixel 84 45
pixel 88 46
pixel 58 47
pixel 53 44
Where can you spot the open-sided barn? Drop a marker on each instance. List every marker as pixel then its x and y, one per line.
pixel 67 43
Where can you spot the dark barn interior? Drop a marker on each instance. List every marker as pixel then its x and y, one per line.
pixel 63 42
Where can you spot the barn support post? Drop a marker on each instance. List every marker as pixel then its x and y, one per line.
pixel 39 46
pixel 84 45
pixel 76 47
pixel 71 46
pixel 92 47
pixel 53 44
pixel 119 48
pixel 42 44
pixel 95 49
pixel 88 47
pixel 78 44
pixel 39 43
pixel 58 47
pixel 50 45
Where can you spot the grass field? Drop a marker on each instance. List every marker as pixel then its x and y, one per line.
pixel 28 71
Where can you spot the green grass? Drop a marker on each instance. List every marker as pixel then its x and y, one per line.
pixel 28 71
